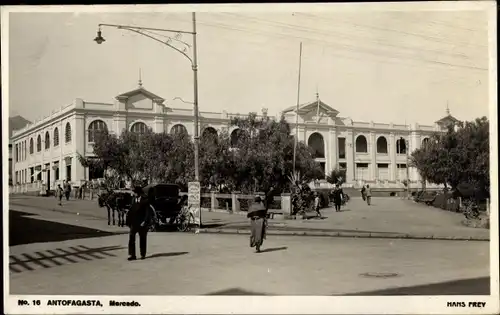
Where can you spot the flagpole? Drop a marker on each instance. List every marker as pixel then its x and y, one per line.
pixel 297 112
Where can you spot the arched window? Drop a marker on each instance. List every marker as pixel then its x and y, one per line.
pixel 47 140
pixel 361 144
pixel 209 131
pixel 235 137
pixel 401 146
pixel 67 133
pixel 178 129
pixel 139 127
pixel 209 134
pixel 94 127
pixel 425 141
pixel 56 137
pixel 317 143
pixel 38 143
pixel 32 146
pixel 382 145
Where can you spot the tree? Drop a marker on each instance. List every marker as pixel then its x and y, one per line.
pixel 265 154
pixel 457 156
pixel 159 157
pixel 336 176
pixel 261 159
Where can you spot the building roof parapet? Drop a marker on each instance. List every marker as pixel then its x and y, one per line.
pixel 40 121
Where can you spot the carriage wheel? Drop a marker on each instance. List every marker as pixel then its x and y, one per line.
pixel 184 223
pixel 152 227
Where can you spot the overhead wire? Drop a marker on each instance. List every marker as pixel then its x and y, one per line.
pixel 330 44
pixel 427 37
pixel 330 32
pixel 286 36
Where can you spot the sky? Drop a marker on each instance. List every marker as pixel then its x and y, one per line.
pixel 381 66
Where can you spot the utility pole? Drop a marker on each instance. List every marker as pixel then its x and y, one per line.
pixel 297 113
pixel 196 123
pixel 407 170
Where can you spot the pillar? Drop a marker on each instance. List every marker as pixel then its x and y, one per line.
pixel 373 156
pixel 286 204
pixel 349 143
pixel 120 123
pixel 158 125
pixel 415 143
pixel 332 151
pixel 235 201
pixel 214 203
pixel 62 169
pixel 392 154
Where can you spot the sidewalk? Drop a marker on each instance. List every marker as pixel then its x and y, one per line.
pixel 385 218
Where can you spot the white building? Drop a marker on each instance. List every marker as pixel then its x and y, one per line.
pixel 47 149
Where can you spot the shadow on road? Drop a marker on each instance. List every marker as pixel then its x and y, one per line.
pixel 477 286
pixel 167 255
pixel 58 257
pixel 268 250
pixel 26 230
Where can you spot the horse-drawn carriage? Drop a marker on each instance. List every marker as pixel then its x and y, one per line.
pixel 167 208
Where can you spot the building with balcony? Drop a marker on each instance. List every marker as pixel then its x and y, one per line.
pixel 47 150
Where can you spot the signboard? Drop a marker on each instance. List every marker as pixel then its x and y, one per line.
pixel 194 197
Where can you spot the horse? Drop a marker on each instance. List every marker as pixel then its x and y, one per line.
pixel 115 202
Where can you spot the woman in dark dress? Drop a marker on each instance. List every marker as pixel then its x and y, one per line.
pixel 337 197
pixel 257 214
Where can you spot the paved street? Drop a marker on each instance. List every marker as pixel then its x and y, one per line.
pixel 386 215
pixel 186 264
pixel 88 257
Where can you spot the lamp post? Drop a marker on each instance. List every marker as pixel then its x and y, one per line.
pixel 149 33
pixel 407 147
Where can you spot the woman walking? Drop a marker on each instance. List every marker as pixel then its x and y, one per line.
pixel 59 194
pixel 338 194
pixel 257 214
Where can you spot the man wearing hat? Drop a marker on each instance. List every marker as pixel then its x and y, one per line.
pixel 138 220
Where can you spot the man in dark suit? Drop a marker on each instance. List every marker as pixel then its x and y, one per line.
pixel 138 220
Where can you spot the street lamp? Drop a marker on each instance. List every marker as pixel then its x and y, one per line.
pixel 149 33
pixel 407 146
pixel 194 65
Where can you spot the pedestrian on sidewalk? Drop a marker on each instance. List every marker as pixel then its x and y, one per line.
pixel 59 194
pixel 317 204
pixel 138 219
pixel 337 197
pixel 368 193
pixel 67 189
pixel 258 217
pixel 363 193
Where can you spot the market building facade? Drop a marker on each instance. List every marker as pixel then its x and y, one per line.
pixel 46 151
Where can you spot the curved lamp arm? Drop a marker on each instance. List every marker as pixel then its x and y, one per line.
pixel 138 31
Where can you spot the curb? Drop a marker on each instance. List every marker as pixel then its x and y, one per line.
pixel 347 235
pixel 311 233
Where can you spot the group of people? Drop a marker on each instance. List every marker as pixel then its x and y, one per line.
pixel 63 191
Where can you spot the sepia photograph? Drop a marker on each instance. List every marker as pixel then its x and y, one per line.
pixel 231 152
